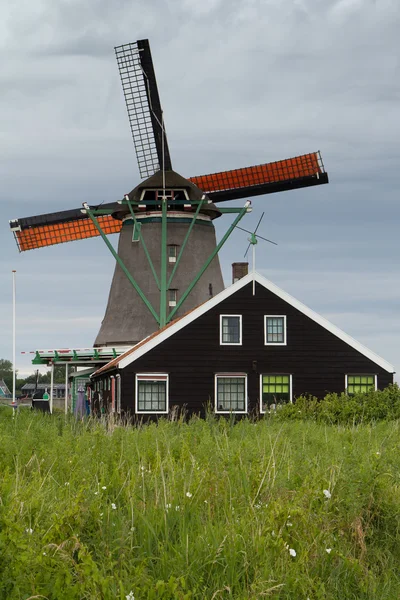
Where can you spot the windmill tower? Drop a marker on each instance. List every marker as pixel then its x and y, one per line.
pixel 167 259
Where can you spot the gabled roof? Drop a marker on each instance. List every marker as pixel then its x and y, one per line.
pixel 162 334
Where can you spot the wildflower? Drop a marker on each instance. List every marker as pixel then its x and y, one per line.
pixel 130 596
pixel 329 550
pixel 205 502
pixel 101 514
pixel 289 524
pixel 44 554
pixel 29 530
pixel 177 508
pixel 96 493
pixel 66 483
pixel 378 453
pixel 113 506
pixel 104 487
pixel 133 528
pixel 167 506
pixel 292 552
pixel 327 494
pixel 142 468
pixel 189 495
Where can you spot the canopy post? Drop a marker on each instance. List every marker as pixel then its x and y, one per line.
pixel 51 387
pixel 66 389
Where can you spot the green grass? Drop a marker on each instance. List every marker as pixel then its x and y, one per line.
pixel 204 510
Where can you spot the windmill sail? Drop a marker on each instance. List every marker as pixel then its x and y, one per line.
pixel 289 174
pixel 60 227
pixel 70 225
pixel 143 105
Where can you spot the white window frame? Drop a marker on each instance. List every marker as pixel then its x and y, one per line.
pixel 360 375
pixel 229 376
pixel 221 343
pixel 261 389
pixel 266 343
pixel 151 377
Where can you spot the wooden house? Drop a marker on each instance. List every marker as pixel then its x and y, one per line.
pixel 250 346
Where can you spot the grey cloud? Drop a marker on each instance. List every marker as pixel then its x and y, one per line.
pixel 240 83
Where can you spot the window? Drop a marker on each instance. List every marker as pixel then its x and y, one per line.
pixel 230 329
pixel 275 389
pixel 356 384
pixel 172 253
pixel 231 393
pixel 152 393
pixel 172 297
pixel 275 330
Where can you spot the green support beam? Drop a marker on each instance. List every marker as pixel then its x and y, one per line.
pixel 131 280
pixel 163 277
pixel 242 212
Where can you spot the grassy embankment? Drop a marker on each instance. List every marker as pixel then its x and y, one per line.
pixel 204 510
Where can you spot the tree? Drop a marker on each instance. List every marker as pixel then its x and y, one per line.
pixel 6 372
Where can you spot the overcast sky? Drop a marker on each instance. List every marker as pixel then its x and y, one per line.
pixel 241 82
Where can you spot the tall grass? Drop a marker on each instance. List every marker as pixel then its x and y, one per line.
pixel 204 510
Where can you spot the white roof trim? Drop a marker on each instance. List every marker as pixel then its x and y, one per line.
pixel 126 360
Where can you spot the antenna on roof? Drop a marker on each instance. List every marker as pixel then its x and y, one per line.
pixel 252 242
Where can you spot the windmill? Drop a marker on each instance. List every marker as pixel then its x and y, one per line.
pixel 167 259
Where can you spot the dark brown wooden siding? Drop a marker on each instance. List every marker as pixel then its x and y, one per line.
pixel 317 360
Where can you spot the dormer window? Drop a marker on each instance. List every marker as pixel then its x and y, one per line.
pixel 156 196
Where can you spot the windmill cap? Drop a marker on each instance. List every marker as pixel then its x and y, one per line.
pixel 174 181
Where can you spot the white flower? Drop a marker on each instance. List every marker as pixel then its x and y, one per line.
pixel 177 508
pixel 44 553
pixel 189 495
pixel 329 550
pixel 205 502
pixel 104 487
pixel 378 453
pixel 327 494
pixel 167 506
pixel 130 596
pixel 29 530
pixel 66 483
pixel 289 524
pixel 96 493
pixel 113 506
pixel 292 552
pixel 101 514
pixel 142 468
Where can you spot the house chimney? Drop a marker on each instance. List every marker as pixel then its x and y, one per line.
pixel 239 270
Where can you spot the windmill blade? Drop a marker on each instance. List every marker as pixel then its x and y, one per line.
pixel 258 224
pixel 143 105
pixel 258 236
pixel 266 239
pixel 300 171
pixel 61 227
